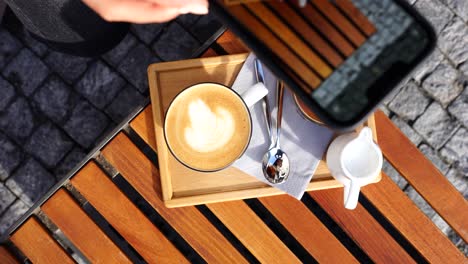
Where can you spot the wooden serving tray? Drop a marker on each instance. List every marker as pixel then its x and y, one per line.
pixel 182 186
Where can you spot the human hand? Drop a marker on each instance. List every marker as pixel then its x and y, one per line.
pixel 146 11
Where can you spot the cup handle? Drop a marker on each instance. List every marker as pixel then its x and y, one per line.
pixel 351 195
pixel 254 94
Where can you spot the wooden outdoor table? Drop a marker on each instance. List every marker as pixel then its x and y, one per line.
pixel 110 210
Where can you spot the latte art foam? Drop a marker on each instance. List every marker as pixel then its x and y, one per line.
pixel 207 127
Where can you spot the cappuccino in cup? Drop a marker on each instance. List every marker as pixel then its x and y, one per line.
pixel 207 127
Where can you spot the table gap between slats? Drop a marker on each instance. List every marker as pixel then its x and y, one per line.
pixel 81 230
pixel 425 178
pixel 138 230
pixel 37 244
pixel 458 221
pixel 7 257
pixel 130 164
pixel 142 175
pixel 104 225
pixel 140 129
pixel 227 213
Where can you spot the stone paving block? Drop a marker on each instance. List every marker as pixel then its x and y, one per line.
pixel 204 28
pixel 394 175
pixel 53 98
pixel 39 48
pixel 459 107
pixel 115 56
pixel 148 32
pixel 443 84
pixel 456 150
pixel 459 6
pixel 9 46
pixel 7 92
pixel 10 157
pixel 385 110
pixel 69 67
pixel 437 13
pixel 134 66
pixel 420 202
pixel 453 41
pixel 48 145
pixel 458 179
pixel 441 224
pixel 458 241
pixel 18 120
pixel 85 124
pixel 175 44
pixel 188 20
pixel 410 102
pixel 125 102
pixel 428 66
pixel 73 158
pixel 30 181
pixel 432 155
pixel 100 84
pixel 26 71
pixel 407 130
pixel 16 28
pixel 464 68
pixel 402 84
pixel 389 97
pixel 12 214
pixel 6 197
pixel 435 125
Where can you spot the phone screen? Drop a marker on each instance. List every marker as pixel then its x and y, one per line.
pixel 398 40
pixel 340 57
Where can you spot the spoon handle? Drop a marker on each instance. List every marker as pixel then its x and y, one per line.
pixel 266 105
pixel 279 115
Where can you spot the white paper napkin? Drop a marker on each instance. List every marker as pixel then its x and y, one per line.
pixel 303 141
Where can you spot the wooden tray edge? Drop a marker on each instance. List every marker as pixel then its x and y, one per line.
pixel 166 185
pixel 167 192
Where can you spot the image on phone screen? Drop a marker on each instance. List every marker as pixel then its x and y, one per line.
pixel 340 57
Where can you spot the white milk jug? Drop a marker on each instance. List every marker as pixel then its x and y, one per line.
pixel 354 160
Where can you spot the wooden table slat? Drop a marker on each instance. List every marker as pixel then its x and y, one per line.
pixel 340 21
pixel 327 29
pixel 252 232
pixel 34 241
pixel 124 216
pixel 5 256
pixel 361 226
pixel 187 221
pixel 290 38
pixel 143 124
pixel 81 230
pixel 289 58
pixel 358 18
pixel 307 229
pixel 230 43
pixel 413 224
pixel 425 178
pixel 308 33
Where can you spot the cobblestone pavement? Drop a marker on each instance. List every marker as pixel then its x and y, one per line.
pixel 54 108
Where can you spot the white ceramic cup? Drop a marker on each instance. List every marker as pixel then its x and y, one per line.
pixel 354 160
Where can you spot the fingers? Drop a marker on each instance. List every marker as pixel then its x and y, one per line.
pixel 142 11
pixel 199 7
pixel 180 3
pixel 139 12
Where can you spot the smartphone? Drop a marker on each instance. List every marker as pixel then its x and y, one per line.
pixel 341 58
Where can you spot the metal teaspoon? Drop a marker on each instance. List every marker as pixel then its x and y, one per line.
pixel 275 164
